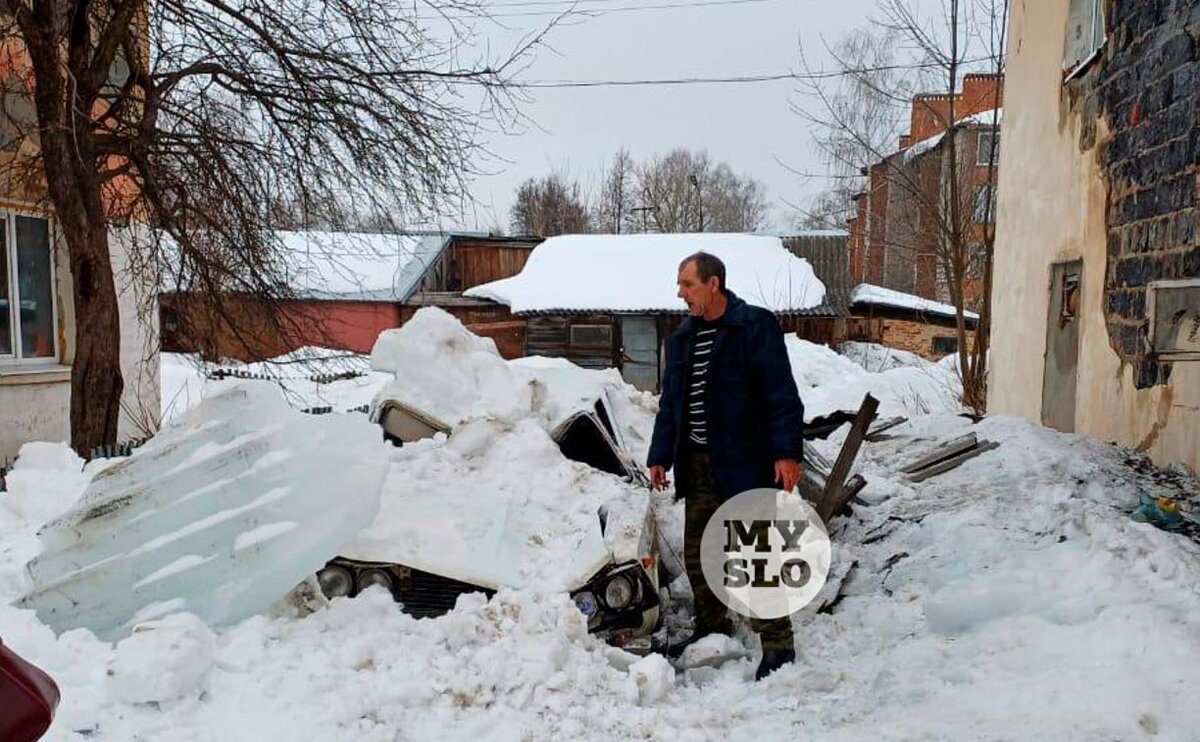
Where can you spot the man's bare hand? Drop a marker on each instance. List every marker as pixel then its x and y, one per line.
pixel 658 478
pixel 787 474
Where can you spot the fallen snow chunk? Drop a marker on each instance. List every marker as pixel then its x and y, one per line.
pixel 654 677
pixel 52 456
pixel 45 480
pixel 712 650
pixel 161 661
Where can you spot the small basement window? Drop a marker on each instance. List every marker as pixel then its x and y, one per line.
pixel 944 346
pixel 591 336
pixel 1175 319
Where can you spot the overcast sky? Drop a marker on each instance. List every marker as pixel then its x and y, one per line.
pixel 750 126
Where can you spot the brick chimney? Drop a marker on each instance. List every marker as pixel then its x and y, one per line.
pixel 931 111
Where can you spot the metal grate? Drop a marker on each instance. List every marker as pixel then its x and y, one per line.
pixel 426 595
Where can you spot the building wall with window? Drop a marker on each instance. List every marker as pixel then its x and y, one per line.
pixel 35 346
pixel 37 327
pixel 898 229
pixel 1097 308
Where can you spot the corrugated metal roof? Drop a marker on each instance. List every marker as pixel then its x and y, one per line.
pixel 827 252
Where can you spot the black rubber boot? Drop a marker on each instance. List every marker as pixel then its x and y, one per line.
pixel 772 660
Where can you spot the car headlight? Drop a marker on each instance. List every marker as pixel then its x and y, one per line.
pixel 586 603
pixel 618 593
pixel 336 582
pixel 370 577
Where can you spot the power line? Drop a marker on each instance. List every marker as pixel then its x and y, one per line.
pixel 663 81
pixel 570 9
pixel 722 80
pixel 567 3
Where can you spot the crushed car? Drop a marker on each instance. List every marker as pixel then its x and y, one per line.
pixel 453 386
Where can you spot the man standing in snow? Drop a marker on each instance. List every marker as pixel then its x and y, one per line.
pixel 729 420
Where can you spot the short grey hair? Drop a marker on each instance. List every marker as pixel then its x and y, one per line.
pixel 707 266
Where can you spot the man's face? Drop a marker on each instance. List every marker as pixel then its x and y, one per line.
pixel 697 294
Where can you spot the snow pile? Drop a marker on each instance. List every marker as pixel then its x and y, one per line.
pixel 445 372
pixel 876 358
pixel 162 661
pixel 497 505
pixel 637 273
pixel 830 383
pixel 220 514
pixel 449 374
pixel 1010 598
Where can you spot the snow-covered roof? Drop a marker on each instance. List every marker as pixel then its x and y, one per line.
pixel 358 266
pixel 983 118
pixel 785 234
pixel 866 293
pixel 636 273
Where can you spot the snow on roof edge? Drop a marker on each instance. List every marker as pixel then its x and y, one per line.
pixel 866 293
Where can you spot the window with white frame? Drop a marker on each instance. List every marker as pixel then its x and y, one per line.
pixel 988 152
pixel 1085 33
pixel 984 208
pixel 27 311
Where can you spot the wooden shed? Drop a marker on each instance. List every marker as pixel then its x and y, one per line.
pixel 609 301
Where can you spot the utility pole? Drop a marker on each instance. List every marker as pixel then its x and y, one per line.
pixel 644 210
pixel 699 200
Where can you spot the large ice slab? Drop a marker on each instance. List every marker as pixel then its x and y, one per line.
pixel 220 515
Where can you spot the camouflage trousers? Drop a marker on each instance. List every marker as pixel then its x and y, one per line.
pixel 694 482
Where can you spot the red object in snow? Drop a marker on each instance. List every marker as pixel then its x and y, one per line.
pixel 28 698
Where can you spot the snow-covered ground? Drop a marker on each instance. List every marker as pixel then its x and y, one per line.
pixel 829 382
pixel 1010 598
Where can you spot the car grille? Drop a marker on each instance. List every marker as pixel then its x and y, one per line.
pixel 426 595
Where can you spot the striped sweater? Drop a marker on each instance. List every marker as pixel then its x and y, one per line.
pixel 697 415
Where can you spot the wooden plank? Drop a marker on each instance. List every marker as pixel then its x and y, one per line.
pixel 841 468
pixel 853 486
pixel 944 451
pixel 953 462
pixel 884 425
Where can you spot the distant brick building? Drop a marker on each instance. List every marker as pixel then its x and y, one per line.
pixel 347 287
pixel 900 218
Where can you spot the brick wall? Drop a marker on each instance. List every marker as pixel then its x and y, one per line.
pixel 916 337
pixel 1147 87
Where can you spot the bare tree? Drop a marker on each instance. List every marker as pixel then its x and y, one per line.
pixel 940 212
pixel 613 212
pixel 549 207
pixel 863 114
pixel 202 119
pixel 685 192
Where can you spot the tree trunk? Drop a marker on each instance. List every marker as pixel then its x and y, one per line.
pixel 96 382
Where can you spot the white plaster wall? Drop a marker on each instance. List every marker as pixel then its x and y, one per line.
pixel 137 298
pixel 1051 208
pixel 33 412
